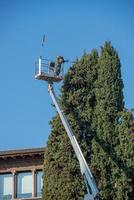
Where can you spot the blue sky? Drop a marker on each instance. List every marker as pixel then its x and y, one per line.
pixel 70 27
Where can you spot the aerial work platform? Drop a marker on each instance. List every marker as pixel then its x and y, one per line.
pixel 47 71
pixel 53 72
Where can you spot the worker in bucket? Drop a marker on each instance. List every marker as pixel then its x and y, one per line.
pixel 59 61
pixel 51 67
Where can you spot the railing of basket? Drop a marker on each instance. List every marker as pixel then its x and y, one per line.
pixel 47 70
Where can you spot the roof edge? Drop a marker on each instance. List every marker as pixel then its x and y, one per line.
pixel 18 152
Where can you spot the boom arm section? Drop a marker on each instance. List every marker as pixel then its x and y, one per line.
pixel 85 171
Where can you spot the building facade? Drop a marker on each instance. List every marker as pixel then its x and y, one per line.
pixel 21 174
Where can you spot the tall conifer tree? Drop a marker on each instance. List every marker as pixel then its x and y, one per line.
pixel 92 99
pixel 109 97
pixel 62 178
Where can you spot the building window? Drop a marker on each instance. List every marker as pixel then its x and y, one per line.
pixel 24 185
pixel 39 183
pixel 6 186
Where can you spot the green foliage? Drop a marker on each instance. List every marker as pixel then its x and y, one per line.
pixel 112 146
pixel 123 173
pixel 109 100
pixel 92 99
pixel 62 179
pixel 60 166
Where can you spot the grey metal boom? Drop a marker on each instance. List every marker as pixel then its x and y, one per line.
pixel 85 171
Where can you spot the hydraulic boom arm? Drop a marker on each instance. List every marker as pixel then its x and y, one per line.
pixel 85 171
